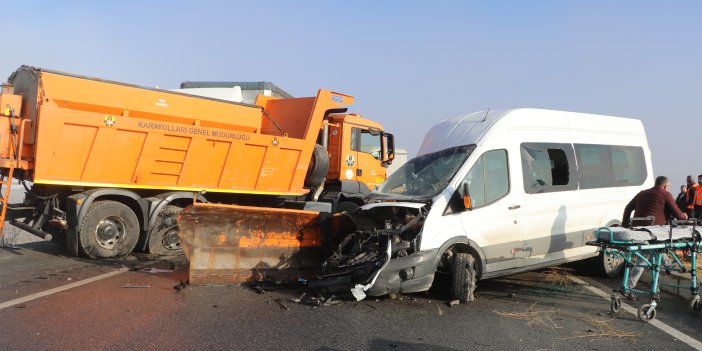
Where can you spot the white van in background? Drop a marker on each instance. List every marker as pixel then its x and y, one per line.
pixel 491 194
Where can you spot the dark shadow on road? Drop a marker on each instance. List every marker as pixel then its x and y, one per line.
pixel 14 250
pixel 382 344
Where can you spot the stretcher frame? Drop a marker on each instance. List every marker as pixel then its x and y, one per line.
pixel 635 255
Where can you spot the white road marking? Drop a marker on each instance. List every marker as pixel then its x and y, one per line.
pixel 60 288
pixel 656 323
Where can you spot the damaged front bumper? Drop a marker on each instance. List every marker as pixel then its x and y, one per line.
pixel 375 251
pixel 407 274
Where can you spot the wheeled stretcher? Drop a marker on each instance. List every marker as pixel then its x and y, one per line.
pixel 645 247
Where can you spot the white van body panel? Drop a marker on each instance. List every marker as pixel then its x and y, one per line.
pixel 538 181
pixel 520 229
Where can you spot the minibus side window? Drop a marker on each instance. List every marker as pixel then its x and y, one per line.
pixel 488 179
pixel 548 167
pixel 628 165
pixel 605 166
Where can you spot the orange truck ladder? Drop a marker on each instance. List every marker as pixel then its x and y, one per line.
pixel 9 164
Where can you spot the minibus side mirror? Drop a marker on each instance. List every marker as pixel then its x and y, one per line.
pixel 467 203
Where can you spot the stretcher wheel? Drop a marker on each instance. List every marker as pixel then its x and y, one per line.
pixel 694 304
pixel 643 313
pixel 615 303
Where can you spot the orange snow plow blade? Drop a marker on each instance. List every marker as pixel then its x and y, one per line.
pixel 234 244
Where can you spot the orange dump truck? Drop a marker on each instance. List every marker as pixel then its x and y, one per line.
pixel 112 164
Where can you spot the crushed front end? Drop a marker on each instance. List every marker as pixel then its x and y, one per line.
pixel 375 250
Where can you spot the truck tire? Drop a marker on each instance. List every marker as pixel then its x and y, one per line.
pixel 464 277
pixel 163 239
pixel 319 166
pixel 109 229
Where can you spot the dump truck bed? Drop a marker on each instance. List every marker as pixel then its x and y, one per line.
pixel 147 138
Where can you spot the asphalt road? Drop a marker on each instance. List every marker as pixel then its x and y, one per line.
pixel 524 312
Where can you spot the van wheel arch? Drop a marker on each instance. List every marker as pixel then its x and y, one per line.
pixel 460 244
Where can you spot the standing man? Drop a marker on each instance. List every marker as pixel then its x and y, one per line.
pixel 690 196
pixel 657 202
pixel 680 200
pixel 698 198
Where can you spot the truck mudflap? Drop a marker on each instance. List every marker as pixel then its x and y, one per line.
pixel 233 244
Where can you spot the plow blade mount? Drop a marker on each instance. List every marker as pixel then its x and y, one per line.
pixel 233 244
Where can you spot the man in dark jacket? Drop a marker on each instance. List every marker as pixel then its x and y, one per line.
pixel 680 200
pixel 657 202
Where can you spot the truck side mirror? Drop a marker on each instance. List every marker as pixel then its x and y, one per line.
pixel 387 144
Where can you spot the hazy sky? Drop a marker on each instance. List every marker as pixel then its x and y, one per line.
pixel 408 63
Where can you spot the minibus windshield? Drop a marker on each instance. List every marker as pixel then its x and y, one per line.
pixel 424 177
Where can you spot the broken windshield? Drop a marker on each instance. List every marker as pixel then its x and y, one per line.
pixel 424 177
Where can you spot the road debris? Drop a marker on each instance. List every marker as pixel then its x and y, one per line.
pixel 135 286
pixel 556 275
pixel 315 301
pixel 182 285
pixel 156 270
pixel 263 286
pixel 454 303
pixel 599 328
pixel 280 303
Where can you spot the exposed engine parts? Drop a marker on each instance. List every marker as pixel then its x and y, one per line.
pixel 362 242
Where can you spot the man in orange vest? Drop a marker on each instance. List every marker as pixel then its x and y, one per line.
pixel 690 197
pixel 698 198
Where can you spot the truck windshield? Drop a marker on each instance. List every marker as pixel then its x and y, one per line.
pixel 424 177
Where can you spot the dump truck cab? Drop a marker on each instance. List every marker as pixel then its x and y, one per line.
pixel 359 150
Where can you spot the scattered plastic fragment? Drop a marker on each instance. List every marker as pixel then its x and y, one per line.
pixel 156 270
pixel 358 292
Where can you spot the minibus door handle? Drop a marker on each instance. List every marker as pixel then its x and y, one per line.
pixel 514 207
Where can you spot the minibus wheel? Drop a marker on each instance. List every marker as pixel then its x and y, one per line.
pixel 611 265
pixel 464 277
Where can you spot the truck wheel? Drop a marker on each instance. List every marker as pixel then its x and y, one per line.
pixel 163 239
pixel 109 229
pixel 464 277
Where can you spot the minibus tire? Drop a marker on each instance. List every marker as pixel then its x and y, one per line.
pixel 611 266
pixel 464 277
